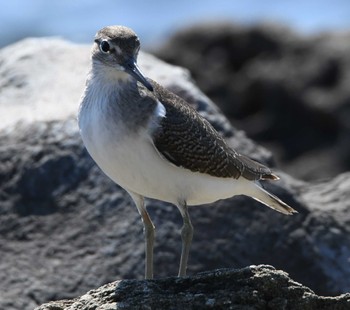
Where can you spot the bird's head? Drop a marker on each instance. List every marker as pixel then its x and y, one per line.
pixel 117 48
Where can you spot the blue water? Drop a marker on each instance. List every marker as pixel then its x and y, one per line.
pixel 78 20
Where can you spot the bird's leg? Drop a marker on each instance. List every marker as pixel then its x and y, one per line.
pixel 149 233
pixel 186 235
pixel 149 243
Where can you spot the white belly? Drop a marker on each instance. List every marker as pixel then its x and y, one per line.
pixel 135 165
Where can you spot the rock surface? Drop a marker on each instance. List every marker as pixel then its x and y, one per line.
pixel 66 228
pixel 288 92
pixel 254 287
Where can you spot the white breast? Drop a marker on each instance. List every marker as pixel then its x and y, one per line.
pixel 131 160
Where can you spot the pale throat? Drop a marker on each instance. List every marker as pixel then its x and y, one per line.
pixel 107 74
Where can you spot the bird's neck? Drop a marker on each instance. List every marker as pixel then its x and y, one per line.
pixel 114 94
pixel 106 82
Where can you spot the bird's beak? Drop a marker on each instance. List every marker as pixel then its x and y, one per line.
pixel 132 68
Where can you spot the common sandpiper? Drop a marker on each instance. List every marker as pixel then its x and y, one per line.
pixel 154 144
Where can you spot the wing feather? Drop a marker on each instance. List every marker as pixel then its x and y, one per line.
pixel 187 140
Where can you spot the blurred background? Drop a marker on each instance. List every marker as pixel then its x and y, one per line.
pixel 278 70
pixel 266 77
pixel 78 20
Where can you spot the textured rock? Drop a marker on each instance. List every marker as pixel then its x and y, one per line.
pixel 255 287
pixel 65 228
pixel 287 91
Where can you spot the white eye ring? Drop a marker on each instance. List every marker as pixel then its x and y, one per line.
pixel 104 46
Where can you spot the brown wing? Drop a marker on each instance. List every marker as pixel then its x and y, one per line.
pixel 187 140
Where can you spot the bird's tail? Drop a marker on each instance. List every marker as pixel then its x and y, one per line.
pixel 270 200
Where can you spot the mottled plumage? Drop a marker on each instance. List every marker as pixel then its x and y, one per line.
pixel 188 140
pixel 153 144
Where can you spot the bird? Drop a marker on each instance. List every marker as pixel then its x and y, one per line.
pixel 153 144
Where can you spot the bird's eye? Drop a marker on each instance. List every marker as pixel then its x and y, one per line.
pixel 104 46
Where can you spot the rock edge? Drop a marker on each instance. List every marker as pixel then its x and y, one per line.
pixel 253 287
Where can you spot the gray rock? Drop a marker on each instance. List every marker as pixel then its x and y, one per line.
pixel 254 287
pixel 66 228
